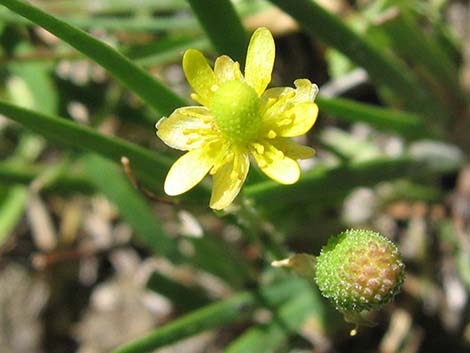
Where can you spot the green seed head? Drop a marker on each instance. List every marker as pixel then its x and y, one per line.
pixel 359 270
pixel 236 109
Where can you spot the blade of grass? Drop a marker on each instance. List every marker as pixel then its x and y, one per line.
pixel 405 124
pixel 30 86
pixel 136 24
pixel 111 23
pixel 228 265
pixel 173 53
pixel 37 78
pixel 182 296
pixel 112 182
pixel 326 185
pixel 151 166
pixel 11 210
pixel 154 93
pixel 391 74
pixel 223 27
pixel 132 24
pixel 82 19
pixel 410 41
pixel 234 309
pixel 106 6
pixel 286 322
pixel 25 173
pixel 348 147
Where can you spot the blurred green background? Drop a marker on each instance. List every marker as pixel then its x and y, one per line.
pixel 91 264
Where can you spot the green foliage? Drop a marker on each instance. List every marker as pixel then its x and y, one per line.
pixel 72 99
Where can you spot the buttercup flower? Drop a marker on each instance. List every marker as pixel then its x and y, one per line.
pixel 239 117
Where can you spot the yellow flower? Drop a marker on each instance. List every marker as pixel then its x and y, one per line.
pixel 239 117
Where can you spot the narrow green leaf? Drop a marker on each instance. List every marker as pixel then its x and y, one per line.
pixel 230 266
pixel 325 185
pixel 421 51
pixel 286 321
pixel 30 86
pixel 154 93
pixel 150 165
pixel 37 77
pixel 391 74
pixel 25 173
pixel 11 210
pixel 234 309
pixel 405 124
pixel 103 7
pixel 348 147
pixel 173 53
pixel 182 296
pixel 223 27
pixel 131 204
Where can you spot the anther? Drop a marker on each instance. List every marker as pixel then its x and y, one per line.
pixel 272 134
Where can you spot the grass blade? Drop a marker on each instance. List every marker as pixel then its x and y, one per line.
pixel 410 41
pixel 113 23
pixel 151 166
pixel 111 181
pixel 213 316
pixel 154 93
pixel 326 185
pixel 24 174
pixel 11 210
pixel 330 29
pixel 405 124
pixel 287 320
pixel 183 297
pixel 112 6
pixel 173 52
pixel 223 27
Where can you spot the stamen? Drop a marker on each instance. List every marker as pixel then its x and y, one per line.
pixel 272 134
pixel 195 97
pixel 258 147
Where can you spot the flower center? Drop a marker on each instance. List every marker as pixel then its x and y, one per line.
pixel 236 110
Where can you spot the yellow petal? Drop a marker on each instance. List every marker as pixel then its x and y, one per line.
pixel 297 121
pixel 199 75
pixel 290 112
pixel 186 128
pixel 188 171
pixel 277 166
pixel 226 69
pixel 277 92
pixel 305 91
pixel 228 181
pixel 260 60
pixel 293 150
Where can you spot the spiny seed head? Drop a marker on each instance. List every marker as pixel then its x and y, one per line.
pixel 236 109
pixel 359 270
